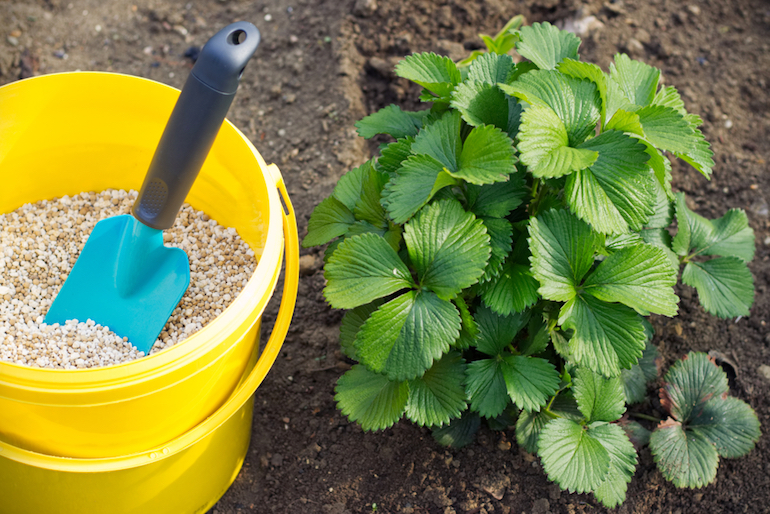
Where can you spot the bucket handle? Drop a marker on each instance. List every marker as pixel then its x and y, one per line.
pixel 288 297
pixel 274 343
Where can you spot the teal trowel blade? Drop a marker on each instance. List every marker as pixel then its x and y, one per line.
pixel 125 279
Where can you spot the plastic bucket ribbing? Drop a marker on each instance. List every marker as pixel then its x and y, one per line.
pixel 67 133
pixel 189 480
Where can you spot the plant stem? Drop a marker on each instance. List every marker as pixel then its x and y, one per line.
pixel 549 413
pixel 548 407
pixel 645 416
pixel 535 185
pixel 536 193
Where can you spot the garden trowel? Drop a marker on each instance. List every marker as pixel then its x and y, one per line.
pixel 125 278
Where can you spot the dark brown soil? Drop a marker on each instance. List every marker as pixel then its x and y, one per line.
pixel 325 63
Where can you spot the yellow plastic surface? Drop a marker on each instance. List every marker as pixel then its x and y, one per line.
pixel 187 475
pixel 179 418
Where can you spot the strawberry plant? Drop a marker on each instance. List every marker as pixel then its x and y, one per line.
pixel 498 258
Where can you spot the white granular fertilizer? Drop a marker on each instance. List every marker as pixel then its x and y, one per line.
pixel 39 244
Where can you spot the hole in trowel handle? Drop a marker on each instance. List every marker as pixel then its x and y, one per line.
pixel 237 37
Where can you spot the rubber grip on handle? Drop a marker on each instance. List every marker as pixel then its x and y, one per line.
pixel 194 124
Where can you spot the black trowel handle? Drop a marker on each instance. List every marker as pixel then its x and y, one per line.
pixel 194 124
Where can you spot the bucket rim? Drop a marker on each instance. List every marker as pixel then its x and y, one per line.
pixel 259 286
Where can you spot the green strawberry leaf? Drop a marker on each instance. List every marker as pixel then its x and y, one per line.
pixel 637 434
pixel 330 248
pixel 497 332
pixel 546 45
pixel 487 156
pixel 475 54
pixel 616 99
pixel 392 155
pixel 520 69
pixel 433 72
pixel 459 432
pixel 439 395
pixel 669 97
pixel 562 253
pixel 485 386
pixel 588 71
pixel 701 156
pixel 391 120
pixel 364 227
pixel 666 129
pixel 565 405
pixel 441 140
pixel 705 423
pixel 651 359
pixel 572 457
pixel 663 209
pixel 528 428
pixel 729 236
pixel 634 384
pixel 500 46
pixel 660 238
pixel 635 379
pixel 391 234
pixel 507 37
pixel 686 458
pixel 598 398
pixel 362 269
pixel 543 144
pixel 501 239
pixel 330 219
pixel 515 109
pixel 513 290
pixel 638 81
pixel 690 383
pixel 491 68
pixel 538 337
pixel 368 207
pixel 529 424
pixel 625 121
pixel 640 277
pixel 497 200
pixel 622 241
pixel 612 491
pixel 560 343
pixel 469 330
pixel 405 336
pixel 351 324
pixel 350 185
pixel 530 381
pixel 730 424
pixel 725 285
pixel 576 102
pixel 448 247
pixel 370 399
pixel 417 181
pixel 661 168
pixel 481 103
pixel 615 193
pixel 607 336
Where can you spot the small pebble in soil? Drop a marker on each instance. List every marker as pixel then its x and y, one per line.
pixel 39 244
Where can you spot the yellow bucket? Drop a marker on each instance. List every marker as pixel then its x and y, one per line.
pixel 166 433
